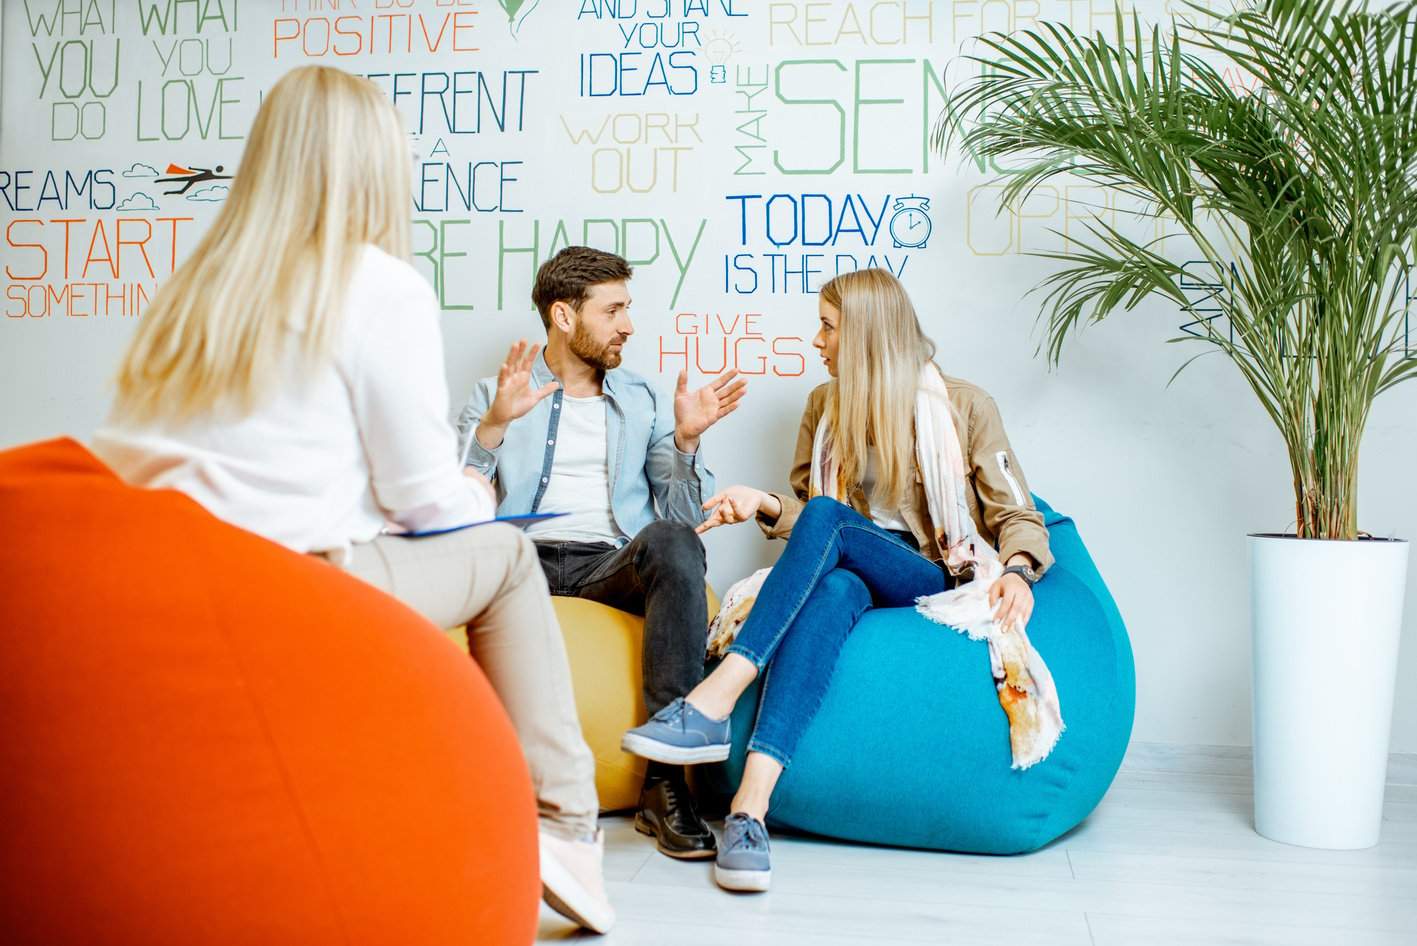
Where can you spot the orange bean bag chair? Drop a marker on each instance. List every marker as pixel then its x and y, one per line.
pixel 208 738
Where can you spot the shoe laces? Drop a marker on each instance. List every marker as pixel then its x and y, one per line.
pixel 675 714
pixel 754 834
pixel 671 792
pixel 676 793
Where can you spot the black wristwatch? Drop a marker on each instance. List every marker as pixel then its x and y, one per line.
pixel 1025 572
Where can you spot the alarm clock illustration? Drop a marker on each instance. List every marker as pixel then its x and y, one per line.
pixel 910 224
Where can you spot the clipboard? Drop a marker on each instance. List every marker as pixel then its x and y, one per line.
pixel 521 522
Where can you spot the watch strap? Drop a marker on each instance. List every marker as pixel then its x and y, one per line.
pixel 1029 576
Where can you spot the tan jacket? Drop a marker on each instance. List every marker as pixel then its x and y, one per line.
pixel 998 496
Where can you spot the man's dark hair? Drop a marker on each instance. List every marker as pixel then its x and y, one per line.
pixel 569 276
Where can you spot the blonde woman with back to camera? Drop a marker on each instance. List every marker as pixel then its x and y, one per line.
pixel 901 476
pixel 289 377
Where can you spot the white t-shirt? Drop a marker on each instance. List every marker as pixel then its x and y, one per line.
pixel 881 516
pixel 326 460
pixel 580 477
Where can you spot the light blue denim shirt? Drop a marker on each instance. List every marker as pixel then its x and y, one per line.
pixel 646 468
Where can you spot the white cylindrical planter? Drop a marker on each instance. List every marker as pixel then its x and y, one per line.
pixel 1327 616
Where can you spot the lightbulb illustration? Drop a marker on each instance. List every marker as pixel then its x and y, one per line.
pixel 718 49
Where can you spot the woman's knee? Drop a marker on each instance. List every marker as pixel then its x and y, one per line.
pixel 823 511
pixel 844 589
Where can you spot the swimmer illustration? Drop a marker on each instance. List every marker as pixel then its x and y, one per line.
pixel 190 176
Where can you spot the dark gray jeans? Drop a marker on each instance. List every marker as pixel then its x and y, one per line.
pixel 659 574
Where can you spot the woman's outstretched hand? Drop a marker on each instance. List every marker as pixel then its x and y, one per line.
pixel 1012 600
pixel 734 504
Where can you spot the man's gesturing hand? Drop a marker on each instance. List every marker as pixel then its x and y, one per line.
pixel 697 411
pixel 514 398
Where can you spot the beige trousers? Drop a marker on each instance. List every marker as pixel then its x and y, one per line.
pixel 489 578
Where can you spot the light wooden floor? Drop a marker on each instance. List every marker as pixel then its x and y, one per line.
pixel 1170 856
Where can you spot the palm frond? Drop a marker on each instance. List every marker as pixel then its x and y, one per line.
pixel 1298 196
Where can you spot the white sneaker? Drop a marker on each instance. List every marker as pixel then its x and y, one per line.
pixel 572 881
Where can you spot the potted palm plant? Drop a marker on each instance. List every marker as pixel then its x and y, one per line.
pixel 1280 143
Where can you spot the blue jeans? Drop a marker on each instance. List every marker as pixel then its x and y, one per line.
pixel 836 565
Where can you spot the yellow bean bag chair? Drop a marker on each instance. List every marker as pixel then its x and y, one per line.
pixel 604 646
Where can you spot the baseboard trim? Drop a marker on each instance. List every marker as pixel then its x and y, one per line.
pixel 1232 761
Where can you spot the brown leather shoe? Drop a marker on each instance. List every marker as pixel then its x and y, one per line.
pixel 667 813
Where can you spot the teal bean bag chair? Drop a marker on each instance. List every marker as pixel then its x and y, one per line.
pixel 911 748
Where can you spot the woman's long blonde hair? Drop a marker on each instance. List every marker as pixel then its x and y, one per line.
pixel 327 168
pixel 880 351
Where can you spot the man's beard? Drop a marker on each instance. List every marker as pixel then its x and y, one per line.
pixel 583 346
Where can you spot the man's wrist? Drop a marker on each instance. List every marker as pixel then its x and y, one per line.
pixel 686 445
pixel 489 435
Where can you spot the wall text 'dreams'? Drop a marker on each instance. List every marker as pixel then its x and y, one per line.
pixel 57 190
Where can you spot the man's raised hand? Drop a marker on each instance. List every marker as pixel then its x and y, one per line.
pixel 515 397
pixel 697 411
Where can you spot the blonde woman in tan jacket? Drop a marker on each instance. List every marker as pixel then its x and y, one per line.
pixel 875 545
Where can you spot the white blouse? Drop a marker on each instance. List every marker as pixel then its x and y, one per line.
pixel 327 460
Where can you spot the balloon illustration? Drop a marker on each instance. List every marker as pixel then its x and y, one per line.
pixel 517 11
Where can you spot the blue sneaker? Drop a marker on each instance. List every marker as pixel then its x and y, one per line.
pixel 679 735
pixel 743 861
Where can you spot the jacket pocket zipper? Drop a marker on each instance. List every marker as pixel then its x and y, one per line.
pixel 1003 459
